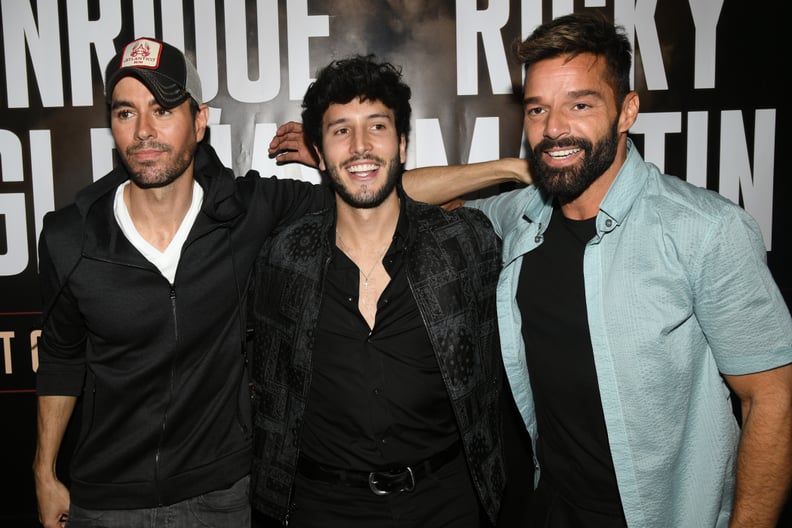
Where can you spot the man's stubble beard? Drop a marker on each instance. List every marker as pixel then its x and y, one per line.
pixel 148 175
pixel 365 199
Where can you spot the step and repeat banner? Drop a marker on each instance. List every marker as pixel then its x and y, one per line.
pixel 708 73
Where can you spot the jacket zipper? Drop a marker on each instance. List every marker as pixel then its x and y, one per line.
pixel 164 422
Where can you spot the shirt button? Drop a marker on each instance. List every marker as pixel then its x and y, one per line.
pixel 608 222
pixel 376 391
pixel 384 441
pixel 538 238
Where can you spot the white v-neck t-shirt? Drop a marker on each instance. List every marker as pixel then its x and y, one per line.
pixel 166 261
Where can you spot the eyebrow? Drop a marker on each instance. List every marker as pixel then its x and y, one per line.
pixel 342 120
pixel 121 103
pixel 586 93
pixel 574 94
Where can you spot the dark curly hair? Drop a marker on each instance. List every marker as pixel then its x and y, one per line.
pixel 578 33
pixel 356 77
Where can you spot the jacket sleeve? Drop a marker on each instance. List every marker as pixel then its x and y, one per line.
pixel 286 199
pixel 61 349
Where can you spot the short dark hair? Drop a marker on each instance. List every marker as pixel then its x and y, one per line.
pixel 194 107
pixel 356 77
pixel 589 32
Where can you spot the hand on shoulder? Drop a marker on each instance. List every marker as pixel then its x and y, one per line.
pixel 289 145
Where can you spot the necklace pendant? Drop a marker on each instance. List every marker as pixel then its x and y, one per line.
pixel 365 284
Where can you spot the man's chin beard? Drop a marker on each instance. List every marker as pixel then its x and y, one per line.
pixel 374 199
pixel 145 177
pixel 569 183
pixel 143 184
pixel 155 182
pixel 153 175
pixel 564 185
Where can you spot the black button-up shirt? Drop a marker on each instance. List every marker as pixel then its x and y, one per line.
pixel 377 397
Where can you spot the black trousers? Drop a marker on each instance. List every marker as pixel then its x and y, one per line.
pixel 443 499
pixel 517 452
pixel 548 509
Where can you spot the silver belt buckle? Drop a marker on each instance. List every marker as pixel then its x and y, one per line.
pixel 374 483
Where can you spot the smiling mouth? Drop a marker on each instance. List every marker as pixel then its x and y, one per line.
pixel 561 154
pixel 363 168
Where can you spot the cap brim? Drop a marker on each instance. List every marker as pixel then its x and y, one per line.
pixel 167 92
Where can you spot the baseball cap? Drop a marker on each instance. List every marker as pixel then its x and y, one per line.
pixel 165 71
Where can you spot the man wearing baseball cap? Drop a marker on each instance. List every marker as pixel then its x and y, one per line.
pixel 144 279
pixel 165 71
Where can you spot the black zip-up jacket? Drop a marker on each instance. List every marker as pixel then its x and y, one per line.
pixel 457 250
pixel 160 366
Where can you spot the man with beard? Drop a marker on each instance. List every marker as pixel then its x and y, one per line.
pixel 629 303
pixel 376 372
pixel 145 280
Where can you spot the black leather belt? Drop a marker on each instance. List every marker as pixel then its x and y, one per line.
pixel 382 482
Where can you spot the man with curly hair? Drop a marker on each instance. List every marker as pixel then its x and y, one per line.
pixel 377 375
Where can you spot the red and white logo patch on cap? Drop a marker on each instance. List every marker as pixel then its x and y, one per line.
pixel 142 53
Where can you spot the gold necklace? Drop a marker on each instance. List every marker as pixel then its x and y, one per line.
pixel 346 249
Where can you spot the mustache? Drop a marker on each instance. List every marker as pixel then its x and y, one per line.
pixel 147 145
pixel 546 144
pixel 366 157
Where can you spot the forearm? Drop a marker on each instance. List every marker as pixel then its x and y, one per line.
pixel 764 465
pixel 435 185
pixel 54 413
pixel 438 185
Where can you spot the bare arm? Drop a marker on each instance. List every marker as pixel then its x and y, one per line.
pixel 437 185
pixel 764 458
pixel 54 413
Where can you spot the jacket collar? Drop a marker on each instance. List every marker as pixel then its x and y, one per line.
pixel 220 200
pixel 103 237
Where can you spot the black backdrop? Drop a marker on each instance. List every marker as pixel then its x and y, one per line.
pixel 707 72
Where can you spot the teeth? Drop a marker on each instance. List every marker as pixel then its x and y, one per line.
pixel 363 168
pixel 563 153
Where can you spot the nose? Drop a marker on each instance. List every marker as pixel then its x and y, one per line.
pixel 360 142
pixel 144 127
pixel 556 125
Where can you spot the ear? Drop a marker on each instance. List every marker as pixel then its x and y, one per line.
pixel 322 164
pixel 403 149
pixel 201 120
pixel 629 112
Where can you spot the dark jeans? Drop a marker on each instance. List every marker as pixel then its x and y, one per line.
pixel 228 508
pixel 445 498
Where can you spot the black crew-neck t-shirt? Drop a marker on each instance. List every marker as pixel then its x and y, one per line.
pixel 572 443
